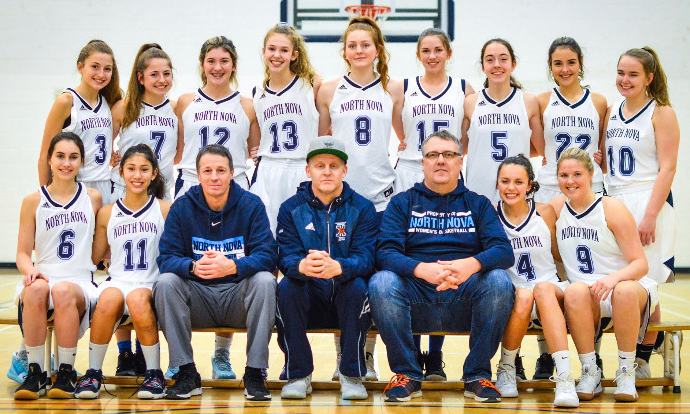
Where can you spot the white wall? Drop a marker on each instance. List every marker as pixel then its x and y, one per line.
pixel 41 40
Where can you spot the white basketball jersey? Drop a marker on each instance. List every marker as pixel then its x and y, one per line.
pixel 531 242
pixel 588 248
pixel 569 125
pixel 157 128
pixel 498 130
pixel 631 147
pixel 95 128
pixel 64 236
pixel 133 237
pixel 288 120
pixel 222 122
pixel 423 114
pixel 361 117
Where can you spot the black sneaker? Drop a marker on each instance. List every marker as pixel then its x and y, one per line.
pixel 153 386
pixel 254 385
pixel 89 386
pixel 433 366
pixel 482 390
pixel 402 388
pixel 34 384
pixel 421 356
pixel 519 369
pixel 65 383
pixel 126 365
pixel 139 364
pixel 600 364
pixel 187 384
pixel 544 367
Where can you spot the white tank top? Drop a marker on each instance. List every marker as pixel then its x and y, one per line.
pixel 133 237
pixel 288 120
pixel 531 242
pixel 95 128
pixel 631 148
pixel 423 114
pixel 569 125
pixel 64 236
pixel 207 121
pixel 498 130
pixel 157 128
pixel 361 117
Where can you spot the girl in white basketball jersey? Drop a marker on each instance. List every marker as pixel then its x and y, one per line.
pixel 642 138
pixel 572 116
pixel 130 228
pixel 531 229
pixel 216 114
pixel 85 110
pixel 57 222
pixel 500 120
pixel 606 267
pixel 147 116
pixel 360 109
pixel 433 101
pixel 286 111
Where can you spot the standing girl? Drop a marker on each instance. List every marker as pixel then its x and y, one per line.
pixel 57 222
pixel 285 107
pixel 500 120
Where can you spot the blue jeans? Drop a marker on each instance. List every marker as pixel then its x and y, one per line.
pixel 480 306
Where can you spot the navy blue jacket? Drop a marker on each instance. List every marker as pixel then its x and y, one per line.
pixel 420 225
pixel 241 231
pixel 346 229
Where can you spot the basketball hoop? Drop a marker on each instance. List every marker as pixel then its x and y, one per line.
pixel 375 11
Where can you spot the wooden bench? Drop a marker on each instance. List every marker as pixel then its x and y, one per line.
pixel 672 344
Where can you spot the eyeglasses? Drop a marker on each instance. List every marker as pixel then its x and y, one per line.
pixel 448 155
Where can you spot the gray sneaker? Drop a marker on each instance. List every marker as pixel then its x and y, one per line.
pixel 590 383
pixel 351 388
pixel 297 389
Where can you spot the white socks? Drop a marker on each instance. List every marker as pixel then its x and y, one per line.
pixel 36 355
pixel 67 356
pixel 152 355
pixel 626 359
pixel 562 361
pixel 541 343
pixel 221 342
pixel 96 355
pixel 589 358
pixel 507 358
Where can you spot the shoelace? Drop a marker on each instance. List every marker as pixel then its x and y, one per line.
pixel 161 384
pixel 92 380
pixel 397 380
pixel 222 363
pixel 623 374
pixel 488 384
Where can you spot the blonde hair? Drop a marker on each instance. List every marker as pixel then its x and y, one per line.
pixel 578 155
pixel 369 25
pixel 135 90
pixel 111 92
pixel 301 67
pixel 214 43
pixel 658 89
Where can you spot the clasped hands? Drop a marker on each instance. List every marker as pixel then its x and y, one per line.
pixel 320 264
pixel 448 274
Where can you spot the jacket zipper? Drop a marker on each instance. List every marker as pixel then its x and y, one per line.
pixel 328 235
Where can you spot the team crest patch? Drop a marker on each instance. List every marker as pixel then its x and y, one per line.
pixel 341 230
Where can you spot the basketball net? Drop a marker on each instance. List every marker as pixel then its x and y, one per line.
pixel 375 11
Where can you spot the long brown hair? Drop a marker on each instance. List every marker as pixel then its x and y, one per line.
pixel 223 43
pixel 301 66
pixel 368 25
pixel 135 90
pixel 513 82
pixel 111 92
pixel 658 89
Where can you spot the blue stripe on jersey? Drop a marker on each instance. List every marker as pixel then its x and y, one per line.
pixel 462 85
pixel 503 102
pixel 589 210
pixel 220 101
pixel 157 107
pixel 620 112
pixel 86 104
pixel 69 204
pixel 139 212
pixel 421 89
pixel 358 86
pixel 285 89
pixel 405 82
pixel 572 105
pixel 508 224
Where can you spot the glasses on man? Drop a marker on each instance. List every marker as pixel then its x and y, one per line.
pixel 448 155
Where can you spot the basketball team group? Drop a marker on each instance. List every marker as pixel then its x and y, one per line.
pixel 423 247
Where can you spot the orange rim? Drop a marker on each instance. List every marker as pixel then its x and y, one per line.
pixel 369 10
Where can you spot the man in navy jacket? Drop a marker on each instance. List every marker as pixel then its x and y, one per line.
pixel 443 251
pixel 326 234
pixel 216 258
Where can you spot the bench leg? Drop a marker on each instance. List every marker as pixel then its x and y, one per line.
pixel 676 338
pixel 49 347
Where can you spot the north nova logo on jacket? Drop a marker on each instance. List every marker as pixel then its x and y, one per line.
pixel 435 222
pixel 232 248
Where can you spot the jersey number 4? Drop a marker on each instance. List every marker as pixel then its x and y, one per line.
pixel 524 267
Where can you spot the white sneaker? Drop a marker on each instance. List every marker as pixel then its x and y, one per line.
pixel 590 383
pixel 625 385
pixel 643 371
pixel 566 396
pixel 297 388
pixel 506 381
pixel 372 365
pixel 351 388
pixel 336 373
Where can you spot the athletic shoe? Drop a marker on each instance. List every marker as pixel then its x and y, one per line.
pixel 544 367
pixel 153 386
pixel 433 366
pixel 421 358
pixel 336 373
pixel 254 385
pixel 506 381
pixel 402 388
pixel 625 385
pixel 566 396
pixel 351 388
pixel 126 364
pixel 297 388
pixel 171 372
pixel 482 390
pixel 34 384
pixel 19 367
pixel 187 384
pixel 519 369
pixel 221 365
pixel 139 364
pixel 372 367
pixel 590 383
pixel 65 383
pixel 643 371
pixel 283 374
pixel 89 386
